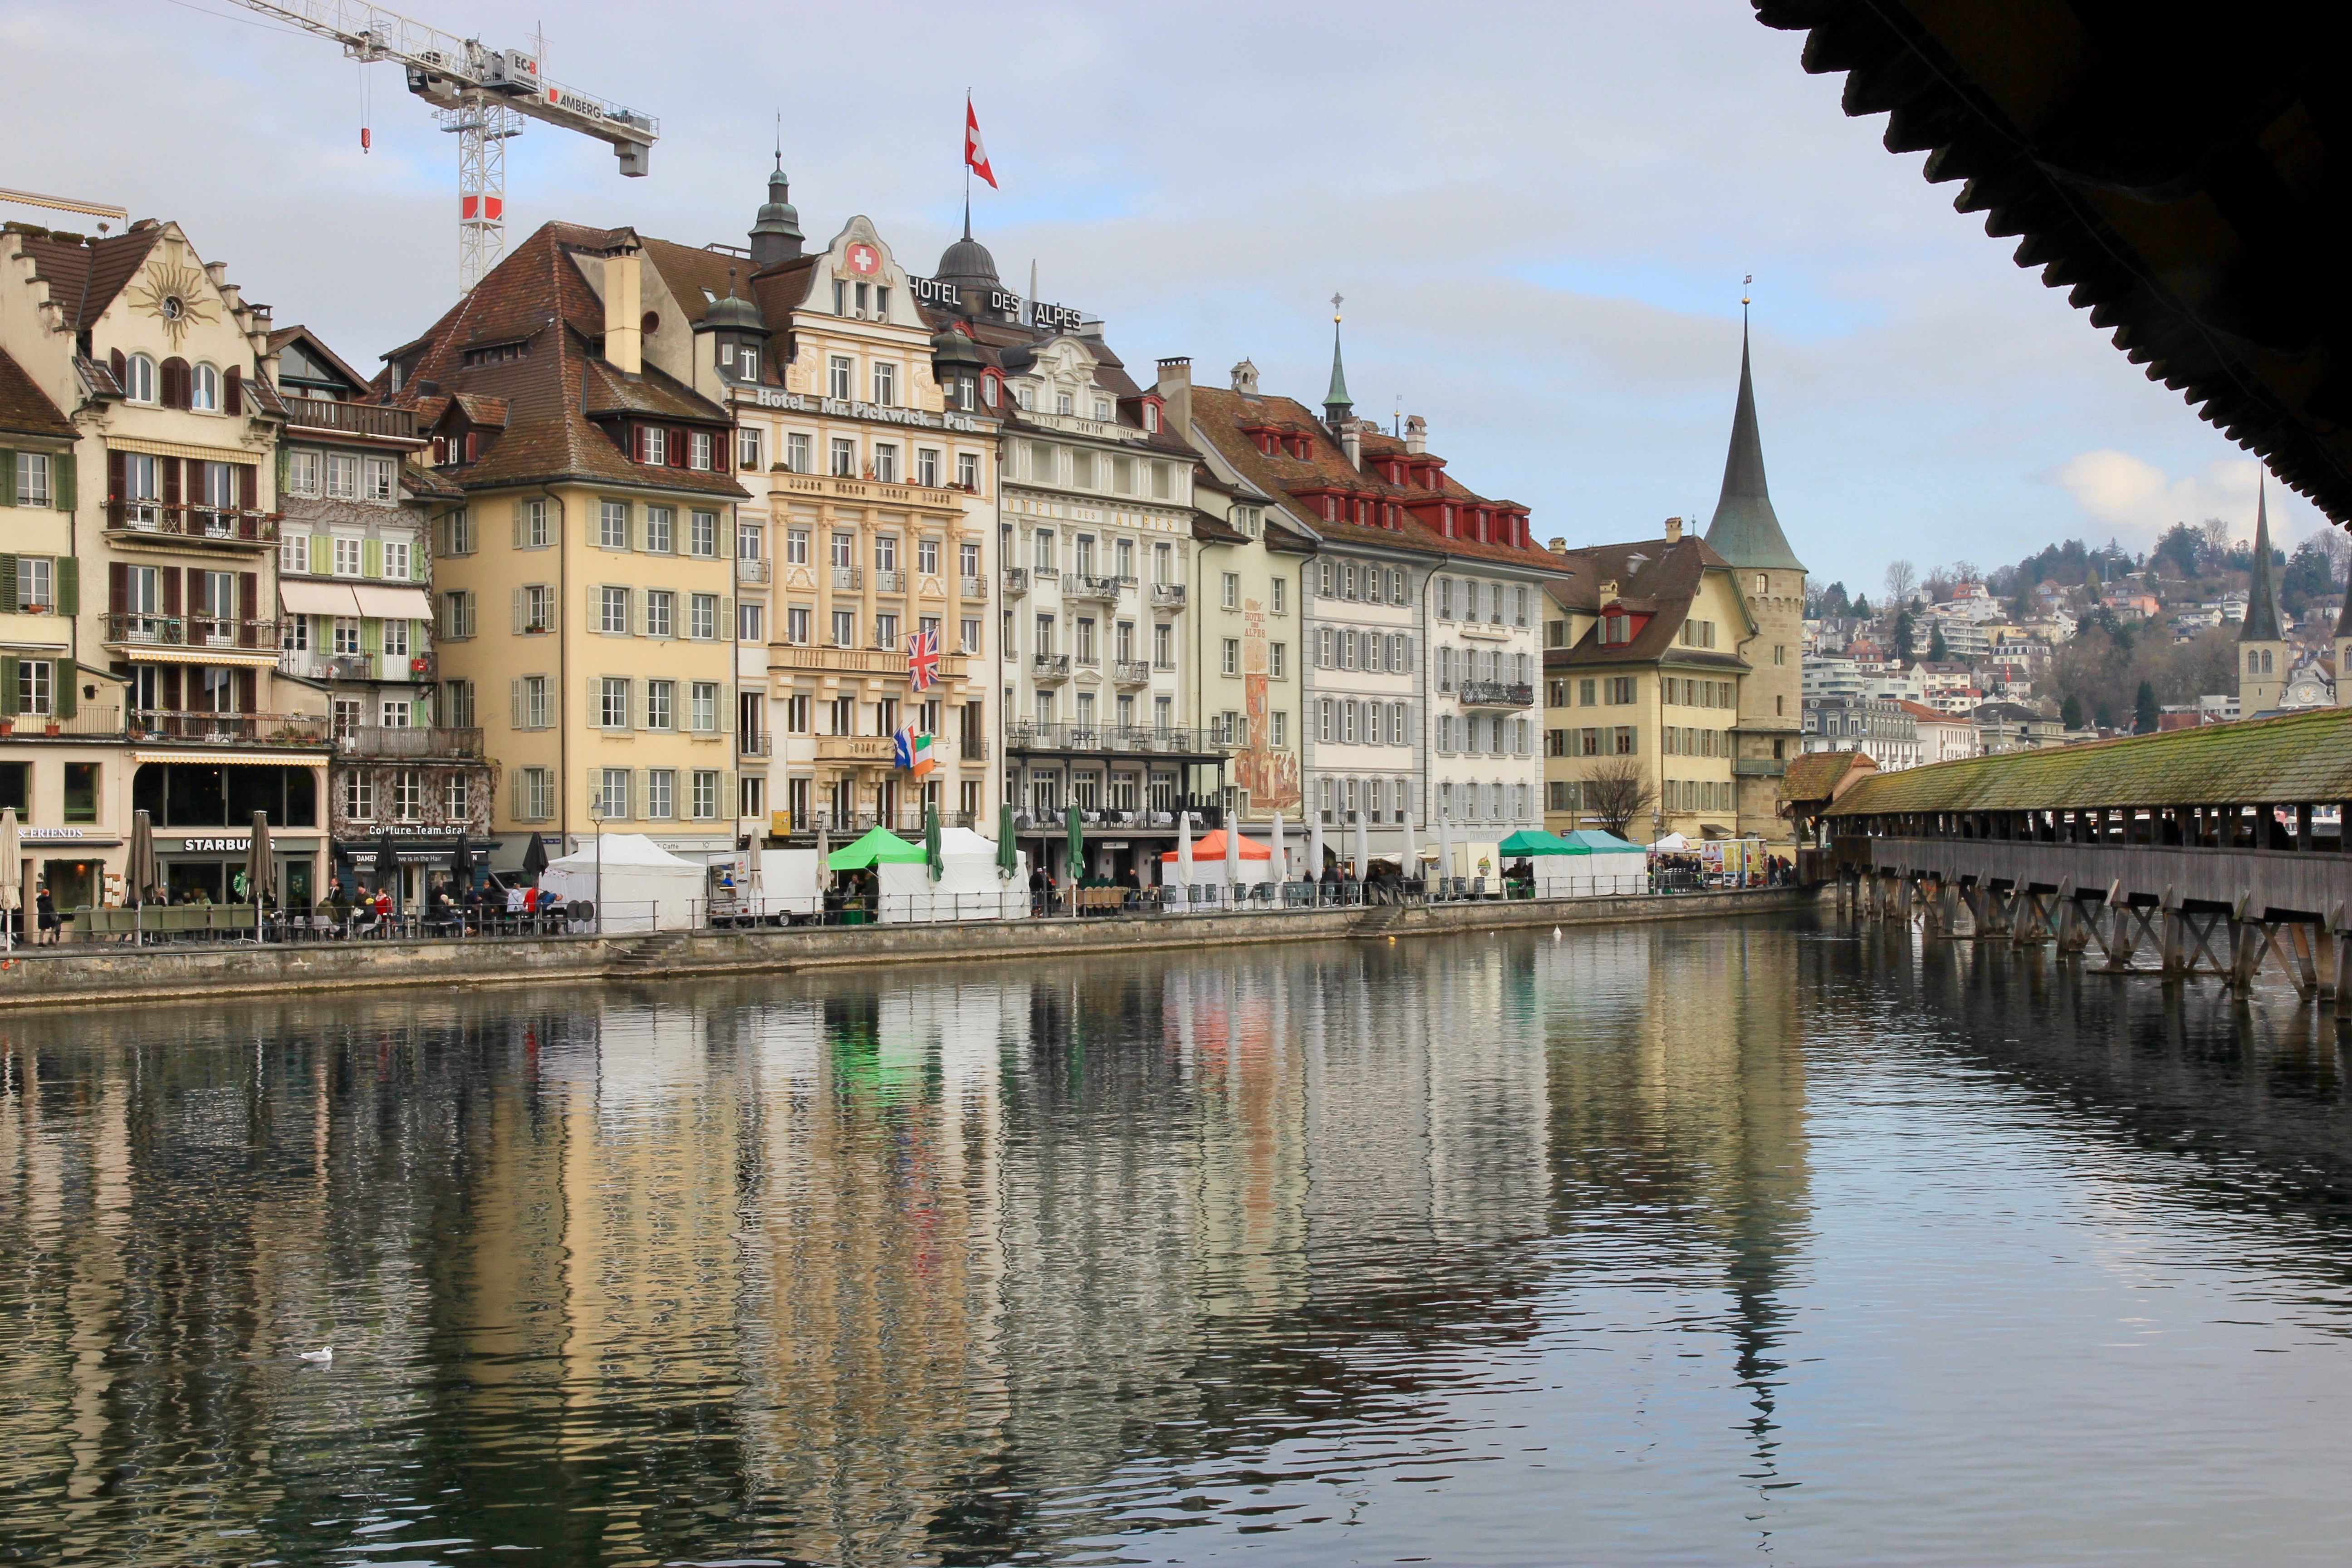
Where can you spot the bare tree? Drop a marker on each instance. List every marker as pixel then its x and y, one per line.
pixel 1902 578
pixel 1967 572
pixel 1938 583
pixel 2217 540
pixel 2338 547
pixel 1619 793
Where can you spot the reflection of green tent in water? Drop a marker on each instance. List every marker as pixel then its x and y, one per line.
pixel 867 1067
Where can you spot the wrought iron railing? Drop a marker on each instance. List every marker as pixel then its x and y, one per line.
pixel 225 527
pixel 1131 672
pixel 1099 738
pixel 1497 694
pixel 244 729
pixel 1016 581
pixel 401 742
pixel 1167 595
pixel 752 569
pixel 188 631
pixel 1050 667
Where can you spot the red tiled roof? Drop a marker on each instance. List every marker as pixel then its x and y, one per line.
pixel 25 408
pixel 84 279
pixel 1653 578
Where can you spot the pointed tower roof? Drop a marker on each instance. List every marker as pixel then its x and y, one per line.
pixel 2262 623
pixel 1744 530
pixel 2344 617
pixel 1337 404
pixel 776 234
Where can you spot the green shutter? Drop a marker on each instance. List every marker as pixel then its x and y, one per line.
pixel 370 557
pixel 68 688
pixel 322 553
pixel 68 586
pixel 371 635
pixel 7 685
pixel 7 584
pixel 420 566
pixel 8 476
pixel 62 485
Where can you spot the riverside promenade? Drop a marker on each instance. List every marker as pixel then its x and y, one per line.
pixel 108 975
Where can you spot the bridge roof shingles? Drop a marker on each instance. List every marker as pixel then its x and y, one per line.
pixel 2295 758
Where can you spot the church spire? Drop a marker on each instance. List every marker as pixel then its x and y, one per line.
pixel 2262 623
pixel 1744 530
pixel 776 234
pixel 1338 406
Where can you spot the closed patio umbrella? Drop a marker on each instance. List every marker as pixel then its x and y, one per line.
pixel 1233 862
pixel 1008 854
pixel 1184 852
pixel 934 864
pixel 260 870
pixel 461 864
pixel 1445 850
pixel 1077 827
pixel 1409 863
pixel 11 851
pixel 1363 849
pixel 823 857
pixel 387 866
pixel 139 872
pixel 1281 853
pixel 534 858
pixel 1314 847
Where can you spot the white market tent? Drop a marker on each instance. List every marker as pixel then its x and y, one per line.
pixel 636 883
pixel 969 888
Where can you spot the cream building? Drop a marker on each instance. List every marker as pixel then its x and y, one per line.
pixel 140 669
pixel 586 584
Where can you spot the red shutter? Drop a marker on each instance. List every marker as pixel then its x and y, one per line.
pixel 171 682
pixel 232 392
pixel 248 608
pixel 246 684
pixel 171 576
pixel 171 466
pixel 676 449
pixel 117 364
pixel 118 588
pixel 174 378
pixel 114 478
pixel 249 489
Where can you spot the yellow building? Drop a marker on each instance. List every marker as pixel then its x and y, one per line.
pixel 871 467
pixel 1643 689
pixel 585 587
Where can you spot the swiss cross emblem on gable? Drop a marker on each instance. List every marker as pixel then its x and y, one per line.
pixel 863 259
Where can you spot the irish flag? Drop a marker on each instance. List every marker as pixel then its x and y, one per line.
pixel 914 752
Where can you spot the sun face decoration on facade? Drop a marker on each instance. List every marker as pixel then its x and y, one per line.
pixel 172 295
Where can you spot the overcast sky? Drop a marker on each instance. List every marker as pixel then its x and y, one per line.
pixel 1539 215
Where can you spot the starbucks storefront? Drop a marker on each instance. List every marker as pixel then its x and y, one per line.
pixel 200 810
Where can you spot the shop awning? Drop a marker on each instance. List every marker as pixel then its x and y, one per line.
pixel 393 604
pixel 317 598
pixel 229 759
pixel 148 653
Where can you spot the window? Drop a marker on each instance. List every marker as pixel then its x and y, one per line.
pixel 661 613
pixel 530 525
pixel 1062 402
pixel 796 625
pixel 613 611
pixel 844 457
pixel 395 560
pixel 358 797
pixel 652 446
pixel 302 472
pixel 1621 741
pixel 927 556
pixel 530 708
pixel 35 689
pixel 1277 661
pixel 796 546
pixel 747 623
pixel 698 449
pixel 702 616
pixel 610 802
pixel 844 629
pixel 886 462
pixel 886 631
pixel 706 793
pixel 376 480
pixel 1397 724
pixel 347 634
pixel 1445 731
pixel 1230 595
pixel 395 639
pixel 1280 601
pixel 704 697
pixel 535 608
pixel 968 471
pixel 32 479
pixel 1230 662
pixel 886 552
pixel 348 554
pixel 661 794
pixel 885 384
pixel 613 702
pixel 35 582
pixel 661 530
pixel 702 535
pixel 839 371
pixel 747 441
pixel 1621 690
pixel 798 456
pixel 342 477
pixel 1325 721
pixel 661 704
pixel 534 796
pixel 926 466
pixel 398 713
pixel 612 524
pixel 1163 646
pixel 1044 550
pixel 971 630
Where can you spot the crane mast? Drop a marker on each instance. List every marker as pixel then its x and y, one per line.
pixel 479 94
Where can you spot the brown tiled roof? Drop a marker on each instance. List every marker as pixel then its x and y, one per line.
pixel 25 408
pixel 479 408
pixel 1653 577
pixel 84 279
pixel 1223 416
pixel 1823 775
pixel 537 296
pixel 425 482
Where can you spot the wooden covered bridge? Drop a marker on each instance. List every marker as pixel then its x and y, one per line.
pixel 2214 851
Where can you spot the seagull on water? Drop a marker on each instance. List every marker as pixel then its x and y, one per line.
pixel 326 1354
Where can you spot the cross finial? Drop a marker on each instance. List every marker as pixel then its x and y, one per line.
pixel 1337 300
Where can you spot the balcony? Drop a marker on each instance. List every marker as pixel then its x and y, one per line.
pixel 229 728
pixel 889 579
pixel 352 418
pixel 755 745
pixel 1082 586
pixel 972 750
pixel 1131 672
pixel 751 569
pixel 1050 667
pixel 1758 767
pixel 976 588
pixel 421 744
pixel 89 719
pixel 848 577
pixel 186 631
pixel 307 666
pixel 855 749
pixel 1113 739
pixel 1016 581
pixel 1497 694
pixel 239 529
pixel 1167 595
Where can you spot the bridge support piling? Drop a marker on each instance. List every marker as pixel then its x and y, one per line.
pixel 2176 961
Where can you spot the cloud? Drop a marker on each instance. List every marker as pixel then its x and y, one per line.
pixel 2138 501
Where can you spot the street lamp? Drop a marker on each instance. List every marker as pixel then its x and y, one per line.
pixel 596 816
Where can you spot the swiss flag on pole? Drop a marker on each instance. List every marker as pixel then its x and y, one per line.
pixel 975 155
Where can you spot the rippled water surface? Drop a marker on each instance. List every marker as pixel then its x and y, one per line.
pixel 1684 1243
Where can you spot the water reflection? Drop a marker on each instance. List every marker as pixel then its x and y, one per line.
pixel 1398 1249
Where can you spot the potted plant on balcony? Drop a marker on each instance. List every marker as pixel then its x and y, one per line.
pixel 52 726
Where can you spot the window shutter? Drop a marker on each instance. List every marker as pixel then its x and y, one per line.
pixel 518 612
pixel 322 553
pixel 518 525
pixel 595 708
pixel 370 557
pixel 245 686
pixel 68 687
pixel 248 608
pixel 726 620
pixel 174 378
pixel 726 715
pixel 171 466
pixel 118 588
pixel 248 486
pixel 729 804
pixel 115 476
pixel 595 621
pixel 8 476
pixel 7 584
pixel 420 566
pixel 118 364
pixel 514 721
pixel 171 576
pixel 9 664
pixel 676 449
pixel 172 688
pixel 61 481
pixel 233 390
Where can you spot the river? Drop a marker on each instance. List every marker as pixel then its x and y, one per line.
pixel 1686 1243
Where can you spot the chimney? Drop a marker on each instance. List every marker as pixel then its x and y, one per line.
pixel 1245 379
pixel 1175 390
pixel 1558 545
pixel 1674 531
pixel 1351 442
pixel 1416 433
pixel 624 337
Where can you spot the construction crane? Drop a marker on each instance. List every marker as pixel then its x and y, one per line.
pixel 482 95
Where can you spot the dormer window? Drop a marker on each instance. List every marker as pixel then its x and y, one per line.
pixel 1062 402
pixel 991 388
pixel 652 446
pixel 1102 409
pixel 1151 418
pixel 1616 629
pixel 746 362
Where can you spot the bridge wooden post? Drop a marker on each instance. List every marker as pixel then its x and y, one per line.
pixel 2119 928
pixel 1903 900
pixel 2342 931
pixel 2176 961
pixel 2245 944
pixel 2072 936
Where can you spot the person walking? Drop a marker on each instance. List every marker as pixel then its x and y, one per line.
pixel 46 909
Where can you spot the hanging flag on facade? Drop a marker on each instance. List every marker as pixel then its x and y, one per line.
pixel 975 155
pixel 922 659
pixel 914 752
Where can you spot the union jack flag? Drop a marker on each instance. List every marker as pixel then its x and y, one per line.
pixel 922 660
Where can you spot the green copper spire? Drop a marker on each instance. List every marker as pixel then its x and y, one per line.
pixel 1744 530
pixel 2262 620
pixel 1337 404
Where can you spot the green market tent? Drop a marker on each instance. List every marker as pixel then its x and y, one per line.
pixel 879 846
pixel 1536 841
pixel 1590 841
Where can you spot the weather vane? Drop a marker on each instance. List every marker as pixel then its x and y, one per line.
pixel 1744 284
pixel 1336 299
